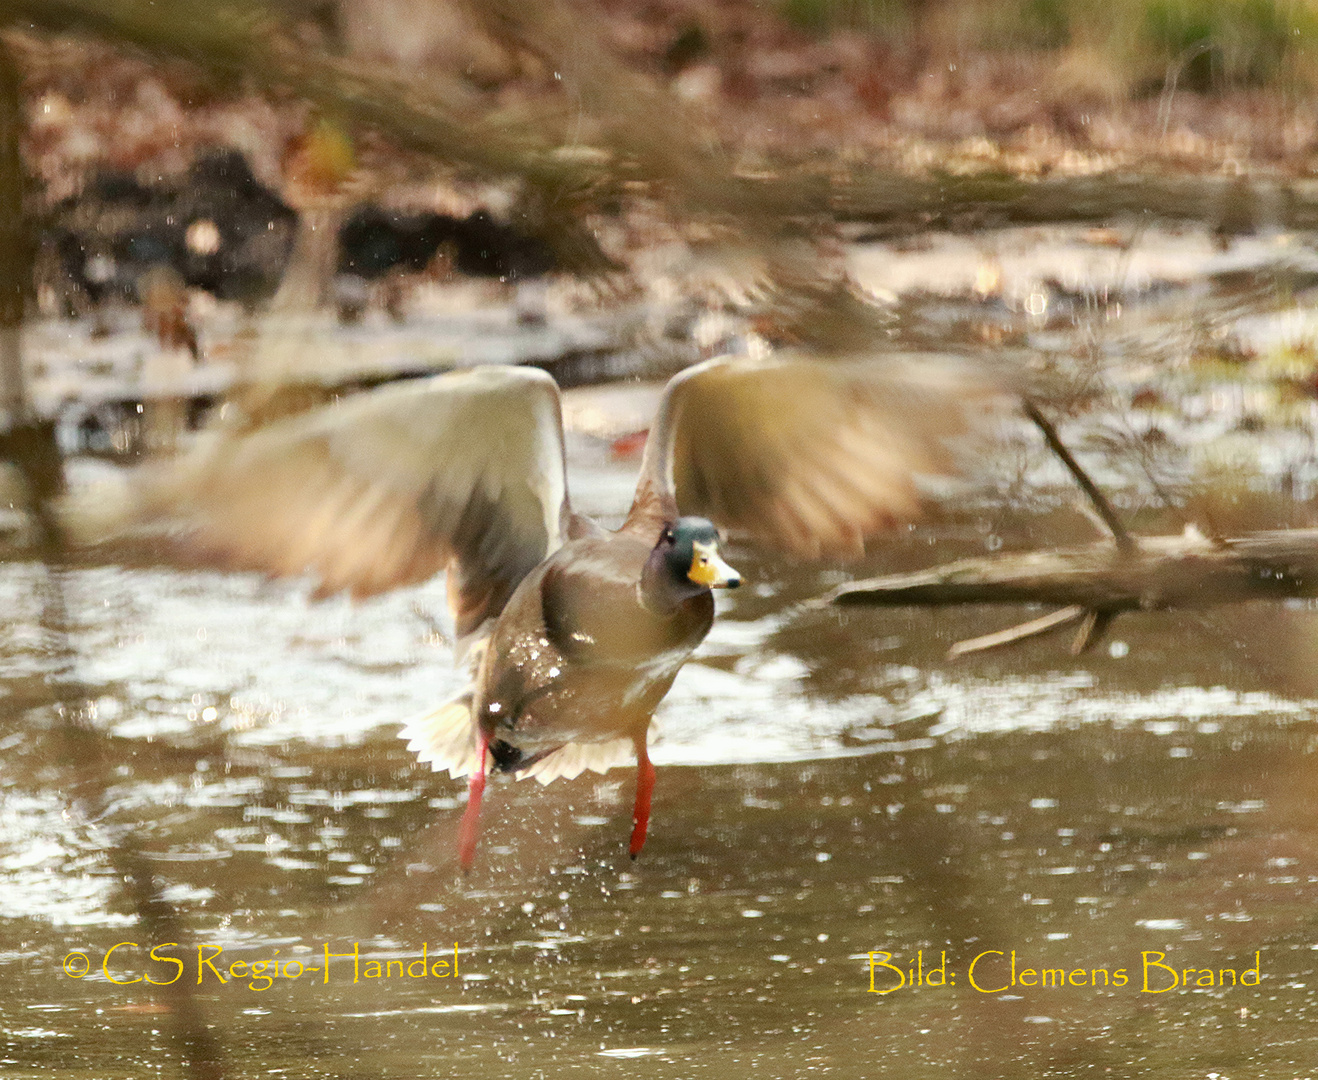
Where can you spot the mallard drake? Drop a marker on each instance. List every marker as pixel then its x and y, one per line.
pixel 574 633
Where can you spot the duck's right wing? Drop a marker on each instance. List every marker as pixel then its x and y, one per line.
pixel 463 471
pixel 807 456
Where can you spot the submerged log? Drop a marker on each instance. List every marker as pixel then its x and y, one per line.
pixel 1160 572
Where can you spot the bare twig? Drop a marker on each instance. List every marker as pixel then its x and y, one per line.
pixel 1097 498
pixel 431 624
pixel 1173 77
pixel 1091 631
pixel 1044 625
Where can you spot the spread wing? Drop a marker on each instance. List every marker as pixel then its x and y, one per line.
pixel 810 456
pixel 463 471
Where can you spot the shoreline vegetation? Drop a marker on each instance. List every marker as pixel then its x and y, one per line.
pixel 868 111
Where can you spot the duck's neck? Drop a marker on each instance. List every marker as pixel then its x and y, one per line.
pixel 660 591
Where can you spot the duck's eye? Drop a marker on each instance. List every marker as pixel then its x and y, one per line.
pixel 668 536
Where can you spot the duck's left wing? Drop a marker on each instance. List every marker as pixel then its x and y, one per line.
pixel 463 471
pixel 810 456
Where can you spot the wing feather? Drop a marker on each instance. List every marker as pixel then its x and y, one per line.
pixel 810 456
pixel 464 470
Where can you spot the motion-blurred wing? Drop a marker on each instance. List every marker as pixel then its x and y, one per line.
pixel 812 456
pixel 464 471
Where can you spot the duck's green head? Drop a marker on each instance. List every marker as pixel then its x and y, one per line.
pixel 690 551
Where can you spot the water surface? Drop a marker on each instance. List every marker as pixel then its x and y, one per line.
pixel 830 786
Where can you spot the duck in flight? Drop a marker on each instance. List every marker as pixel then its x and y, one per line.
pixel 573 633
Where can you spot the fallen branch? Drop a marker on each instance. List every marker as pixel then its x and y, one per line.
pixel 1158 573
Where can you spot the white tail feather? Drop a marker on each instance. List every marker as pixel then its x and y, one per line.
pixel 572 759
pixel 445 738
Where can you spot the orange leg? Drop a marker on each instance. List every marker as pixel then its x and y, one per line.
pixel 470 828
pixel 644 789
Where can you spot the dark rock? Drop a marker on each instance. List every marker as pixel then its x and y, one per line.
pixel 374 241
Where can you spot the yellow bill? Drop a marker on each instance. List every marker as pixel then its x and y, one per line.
pixel 709 569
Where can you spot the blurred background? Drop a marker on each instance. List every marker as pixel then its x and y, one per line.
pixel 215 215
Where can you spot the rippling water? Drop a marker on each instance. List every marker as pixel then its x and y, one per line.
pixel 830 787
